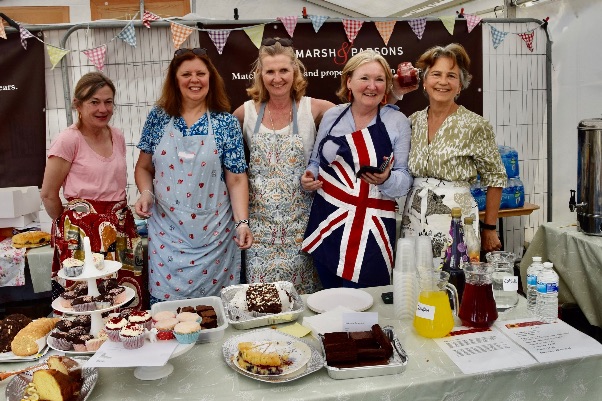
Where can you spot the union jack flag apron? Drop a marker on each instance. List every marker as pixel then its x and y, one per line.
pixel 351 227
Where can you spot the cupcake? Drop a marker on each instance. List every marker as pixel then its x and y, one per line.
pixel 113 326
pixel 107 284
pixel 132 336
pixel 163 315
pixel 141 317
pixel 94 344
pixel 72 267
pixel 79 341
pixel 60 340
pixel 165 328
pixel 188 317
pixel 119 295
pixel 67 298
pixel 78 330
pixel 99 260
pixel 84 303
pixel 83 320
pixel 64 325
pixel 103 301
pixel 187 332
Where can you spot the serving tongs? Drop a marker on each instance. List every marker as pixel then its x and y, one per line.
pixel 396 344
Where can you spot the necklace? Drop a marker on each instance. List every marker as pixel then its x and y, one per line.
pixel 273 156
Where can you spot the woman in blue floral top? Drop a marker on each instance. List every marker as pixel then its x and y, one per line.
pixel 191 174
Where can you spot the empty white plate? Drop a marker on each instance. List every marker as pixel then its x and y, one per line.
pixel 352 298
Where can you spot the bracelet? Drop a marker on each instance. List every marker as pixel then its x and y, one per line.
pixel 243 221
pixel 149 191
pixel 486 226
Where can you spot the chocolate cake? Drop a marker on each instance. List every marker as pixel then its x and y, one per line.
pixel 263 298
pixel 9 327
pixel 364 348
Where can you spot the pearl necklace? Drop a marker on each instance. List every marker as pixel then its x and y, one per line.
pixel 273 156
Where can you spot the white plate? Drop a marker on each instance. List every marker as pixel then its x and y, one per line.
pixel 298 354
pixel 230 351
pixel 110 267
pixel 56 304
pixel 352 298
pixel 10 357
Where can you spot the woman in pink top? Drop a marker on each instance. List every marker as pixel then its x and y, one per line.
pixel 88 161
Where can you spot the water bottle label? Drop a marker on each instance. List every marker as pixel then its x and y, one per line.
pixel 531 279
pixel 425 311
pixel 547 288
pixel 510 283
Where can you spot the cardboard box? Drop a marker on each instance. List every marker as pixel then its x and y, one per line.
pixel 45 221
pixel 19 222
pixel 19 201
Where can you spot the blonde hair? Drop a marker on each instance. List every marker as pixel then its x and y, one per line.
pixel 354 63
pixel 258 92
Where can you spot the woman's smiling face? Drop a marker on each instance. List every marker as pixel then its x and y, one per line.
pixel 442 81
pixel 193 80
pixel 368 84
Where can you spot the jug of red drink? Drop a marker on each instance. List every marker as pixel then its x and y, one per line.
pixel 477 308
pixel 407 75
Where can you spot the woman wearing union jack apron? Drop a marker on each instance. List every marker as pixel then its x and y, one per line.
pixel 351 229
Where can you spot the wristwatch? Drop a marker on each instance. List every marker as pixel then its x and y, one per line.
pixel 485 226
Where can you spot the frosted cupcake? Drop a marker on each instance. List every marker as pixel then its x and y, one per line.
pixel 59 340
pixel 113 326
pixel 99 260
pixel 163 315
pixel 94 344
pixel 66 298
pixel 188 317
pixel 72 267
pixel 84 303
pixel 141 317
pixel 132 336
pixel 79 342
pixel 165 328
pixel 187 332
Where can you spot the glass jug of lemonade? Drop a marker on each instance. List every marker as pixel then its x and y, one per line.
pixel 434 317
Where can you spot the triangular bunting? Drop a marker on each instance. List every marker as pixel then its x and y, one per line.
pixel 317 21
pixel 55 54
pixel 128 35
pixel 255 33
pixel 25 34
pixel 179 34
pixel 97 56
pixel 385 28
pixel 148 17
pixel 418 25
pixel 528 38
pixel 2 31
pixel 352 27
pixel 497 37
pixel 472 21
pixel 449 23
pixel 219 38
pixel 289 23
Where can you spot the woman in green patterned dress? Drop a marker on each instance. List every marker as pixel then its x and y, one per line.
pixel 450 146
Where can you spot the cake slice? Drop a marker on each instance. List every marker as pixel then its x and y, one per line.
pixel 263 298
pixel 53 385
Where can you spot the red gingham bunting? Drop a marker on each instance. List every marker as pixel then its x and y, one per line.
pixel 528 38
pixel 385 28
pixel 219 38
pixel 289 23
pixel 472 21
pixel 2 31
pixel 418 25
pixel 148 17
pixel 352 27
pixel 179 33
pixel 24 34
pixel 97 56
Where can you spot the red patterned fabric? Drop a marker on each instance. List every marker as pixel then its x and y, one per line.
pixel 289 24
pixel 472 21
pixel 148 17
pixel 528 38
pixel 97 56
pixel 352 28
pixel 179 34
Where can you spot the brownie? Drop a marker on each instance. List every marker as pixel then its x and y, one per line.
pixel 209 323
pixel 370 354
pixel 346 354
pixel 336 337
pixel 263 298
pixel 364 339
pixel 203 308
pixel 382 340
pixel 209 314
pixel 186 309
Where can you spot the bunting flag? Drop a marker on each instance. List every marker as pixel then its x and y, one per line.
pixel 25 34
pixel 219 38
pixel 497 36
pixel 97 56
pixel 148 17
pixel 418 26
pixel 179 34
pixel 128 35
pixel 56 54
pixel 289 23
pixel 385 28
pixel 528 38
pixel 2 31
pixel 317 21
pixel 352 27
pixel 255 33
pixel 472 21
pixel 449 23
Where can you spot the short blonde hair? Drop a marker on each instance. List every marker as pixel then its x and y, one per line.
pixel 258 92
pixel 354 63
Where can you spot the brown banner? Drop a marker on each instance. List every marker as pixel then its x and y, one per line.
pixel 22 112
pixel 325 53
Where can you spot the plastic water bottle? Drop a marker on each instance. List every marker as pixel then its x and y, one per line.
pixel 547 294
pixel 532 273
pixel 405 280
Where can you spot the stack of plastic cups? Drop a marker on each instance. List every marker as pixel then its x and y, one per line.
pixel 424 258
pixel 405 280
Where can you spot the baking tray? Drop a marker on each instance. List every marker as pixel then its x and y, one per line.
pixel 207 335
pixel 397 362
pixel 243 320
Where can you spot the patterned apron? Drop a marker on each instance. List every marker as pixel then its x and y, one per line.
pixel 191 245
pixel 279 209
pixel 351 226
pixel 428 210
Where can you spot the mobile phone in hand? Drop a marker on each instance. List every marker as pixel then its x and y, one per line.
pixel 375 170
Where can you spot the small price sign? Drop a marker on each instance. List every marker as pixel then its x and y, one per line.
pixel 511 283
pixel 425 311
